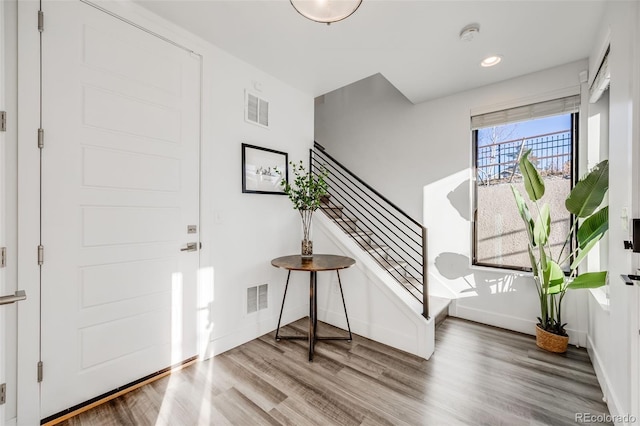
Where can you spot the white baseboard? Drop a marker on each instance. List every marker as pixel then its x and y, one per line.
pixel 605 384
pixel 11 422
pixel 224 343
pixel 508 322
pixel 414 341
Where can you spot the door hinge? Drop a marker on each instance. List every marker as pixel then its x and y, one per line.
pixel 40 138
pixel 40 21
pixel 3 121
pixel 40 254
pixel 3 393
pixel 40 371
pixel 3 257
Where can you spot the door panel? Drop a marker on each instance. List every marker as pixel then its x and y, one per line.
pixel 121 113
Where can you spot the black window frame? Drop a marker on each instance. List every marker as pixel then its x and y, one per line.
pixel 575 136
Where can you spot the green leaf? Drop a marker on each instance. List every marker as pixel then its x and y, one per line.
pixel 524 213
pixel 554 278
pixel 532 181
pixel 543 259
pixel 543 226
pixel 308 187
pixel 588 193
pixel 532 259
pixel 582 253
pixel 594 227
pixel 589 280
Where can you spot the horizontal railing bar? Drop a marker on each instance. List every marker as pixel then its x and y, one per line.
pixel 390 239
pixel 516 161
pixel 378 203
pixel 329 180
pixel 357 198
pixel 341 182
pixel 528 138
pixel 378 259
pixel 378 241
pixel 371 228
pixel 369 217
pixel 363 183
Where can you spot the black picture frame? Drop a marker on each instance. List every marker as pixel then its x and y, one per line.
pixel 258 175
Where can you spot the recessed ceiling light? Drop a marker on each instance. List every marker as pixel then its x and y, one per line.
pixel 491 61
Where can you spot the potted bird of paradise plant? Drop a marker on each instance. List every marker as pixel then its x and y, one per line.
pixel 553 276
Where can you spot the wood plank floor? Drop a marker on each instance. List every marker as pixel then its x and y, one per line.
pixel 479 375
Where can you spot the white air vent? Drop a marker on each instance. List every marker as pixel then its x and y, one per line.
pixel 256 110
pixel 257 298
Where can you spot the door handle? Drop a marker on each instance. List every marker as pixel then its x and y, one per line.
pixel 190 247
pixel 17 296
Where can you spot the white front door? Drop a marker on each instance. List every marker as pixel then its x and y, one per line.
pixel 120 187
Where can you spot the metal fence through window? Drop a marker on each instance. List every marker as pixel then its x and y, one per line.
pixel 551 154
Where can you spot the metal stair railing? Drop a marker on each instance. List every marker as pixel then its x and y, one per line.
pixel 396 241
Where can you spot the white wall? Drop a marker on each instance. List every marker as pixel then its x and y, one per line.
pixel 243 232
pixel 613 336
pixel 420 157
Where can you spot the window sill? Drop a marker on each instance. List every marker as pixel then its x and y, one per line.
pixel 503 271
pixel 600 298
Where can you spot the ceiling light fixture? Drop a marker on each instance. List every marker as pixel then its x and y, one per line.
pixel 491 61
pixel 326 11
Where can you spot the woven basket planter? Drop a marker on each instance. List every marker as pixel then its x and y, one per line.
pixel 551 342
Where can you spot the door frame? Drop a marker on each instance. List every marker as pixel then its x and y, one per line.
pixel 3 200
pixel 635 202
pixel 28 211
pixel 10 209
pixel 28 411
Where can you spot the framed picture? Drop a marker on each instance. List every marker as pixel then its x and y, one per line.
pixel 259 174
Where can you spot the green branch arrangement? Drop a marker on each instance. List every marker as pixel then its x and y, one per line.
pixel 307 189
pixel 306 195
pixel 591 223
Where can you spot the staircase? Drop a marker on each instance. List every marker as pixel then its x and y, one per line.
pixel 380 252
pixel 395 241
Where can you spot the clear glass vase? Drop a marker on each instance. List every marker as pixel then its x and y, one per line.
pixel 306 247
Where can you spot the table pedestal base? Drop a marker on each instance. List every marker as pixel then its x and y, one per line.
pixel 313 315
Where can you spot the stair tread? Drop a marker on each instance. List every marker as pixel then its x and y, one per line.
pixel 345 219
pixel 360 233
pixel 397 269
pixel 390 264
pixel 386 260
pixel 378 249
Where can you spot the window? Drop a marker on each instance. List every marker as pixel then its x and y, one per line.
pixel 549 130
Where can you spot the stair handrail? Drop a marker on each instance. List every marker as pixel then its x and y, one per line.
pixel 366 185
pixel 423 234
